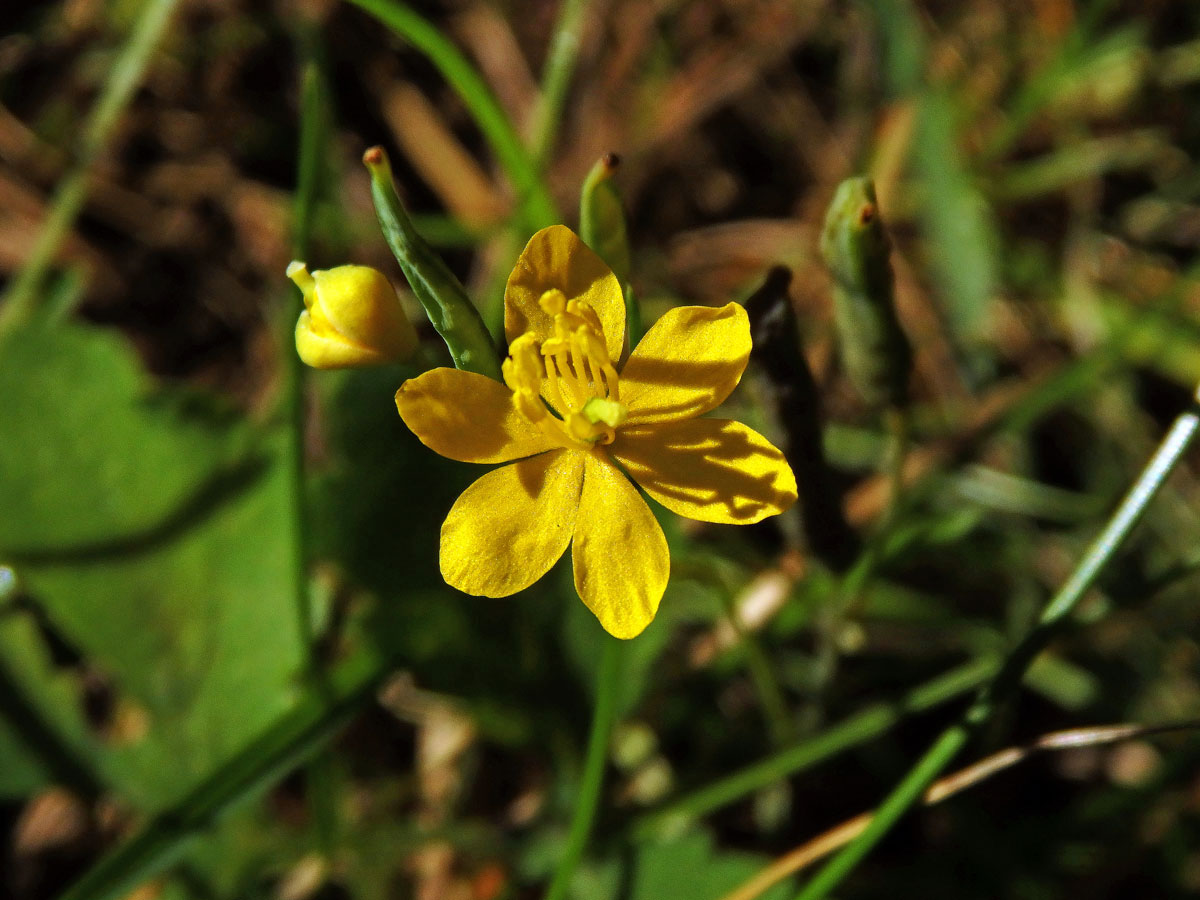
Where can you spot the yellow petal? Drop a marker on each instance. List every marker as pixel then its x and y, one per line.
pixel 620 554
pixel 686 364
pixel 467 417
pixel 325 350
pixel 555 257
pixel 508 528
pixel 359 303
pixel 713 470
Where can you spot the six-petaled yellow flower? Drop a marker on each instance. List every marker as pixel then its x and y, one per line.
pixel 572 423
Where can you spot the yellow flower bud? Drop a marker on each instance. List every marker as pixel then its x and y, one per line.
pixel 352 318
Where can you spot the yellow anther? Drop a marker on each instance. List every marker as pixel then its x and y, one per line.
pixel 553 302
pixel 566 385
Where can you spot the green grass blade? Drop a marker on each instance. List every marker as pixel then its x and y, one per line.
pixel 538 205
pixel 859 728
pixel 308 182
pixel 314 130
pixel 556 78
pixel 22 295
pixel 951 741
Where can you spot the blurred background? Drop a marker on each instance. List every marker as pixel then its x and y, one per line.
pixel 171 484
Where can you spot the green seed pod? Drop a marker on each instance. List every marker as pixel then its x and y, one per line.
pixel 875 351
pixel 442 296
pixel 601 218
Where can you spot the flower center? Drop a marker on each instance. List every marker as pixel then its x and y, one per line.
pixel 566 385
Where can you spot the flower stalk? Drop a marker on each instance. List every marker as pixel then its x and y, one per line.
pixel 607 683
pixel 797 406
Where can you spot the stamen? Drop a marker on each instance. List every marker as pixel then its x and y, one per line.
pixel 556 381
pixel 572 371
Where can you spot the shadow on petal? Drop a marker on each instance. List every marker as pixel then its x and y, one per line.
pixel 467 417
pixel 714 470
pixel 688 362
pixel 671 389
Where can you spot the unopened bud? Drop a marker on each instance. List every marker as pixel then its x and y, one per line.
pixel 352 318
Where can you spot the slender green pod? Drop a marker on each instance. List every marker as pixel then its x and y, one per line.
pixel 602 218
pixel 602 227
pixel 855 247
pixel 440 293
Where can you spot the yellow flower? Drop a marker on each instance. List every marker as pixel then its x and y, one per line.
pixel 351 318
pixel 573 423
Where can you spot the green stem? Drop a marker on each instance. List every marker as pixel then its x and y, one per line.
pixel 319 779
pixel 898 421
pixel 766 685
pixel 309 170
pixel 863 726
pixel 952 740
pixel 538 205
pixel 556 78
pixel 593 767
pixel 126 72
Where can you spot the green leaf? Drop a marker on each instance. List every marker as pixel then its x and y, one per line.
pixel 156 547
pixel 690 868
pixel 687 867
pixel 958 223
pixel 93 454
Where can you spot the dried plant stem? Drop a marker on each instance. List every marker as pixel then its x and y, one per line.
pixel 953 739
pixel 824 844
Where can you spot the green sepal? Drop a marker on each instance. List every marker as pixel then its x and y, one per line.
pixel 440 293
pixel 855 246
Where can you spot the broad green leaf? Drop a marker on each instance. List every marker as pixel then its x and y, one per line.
pixel 162 569
pixel 92 453
pixel 689 868
pixel 200 633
